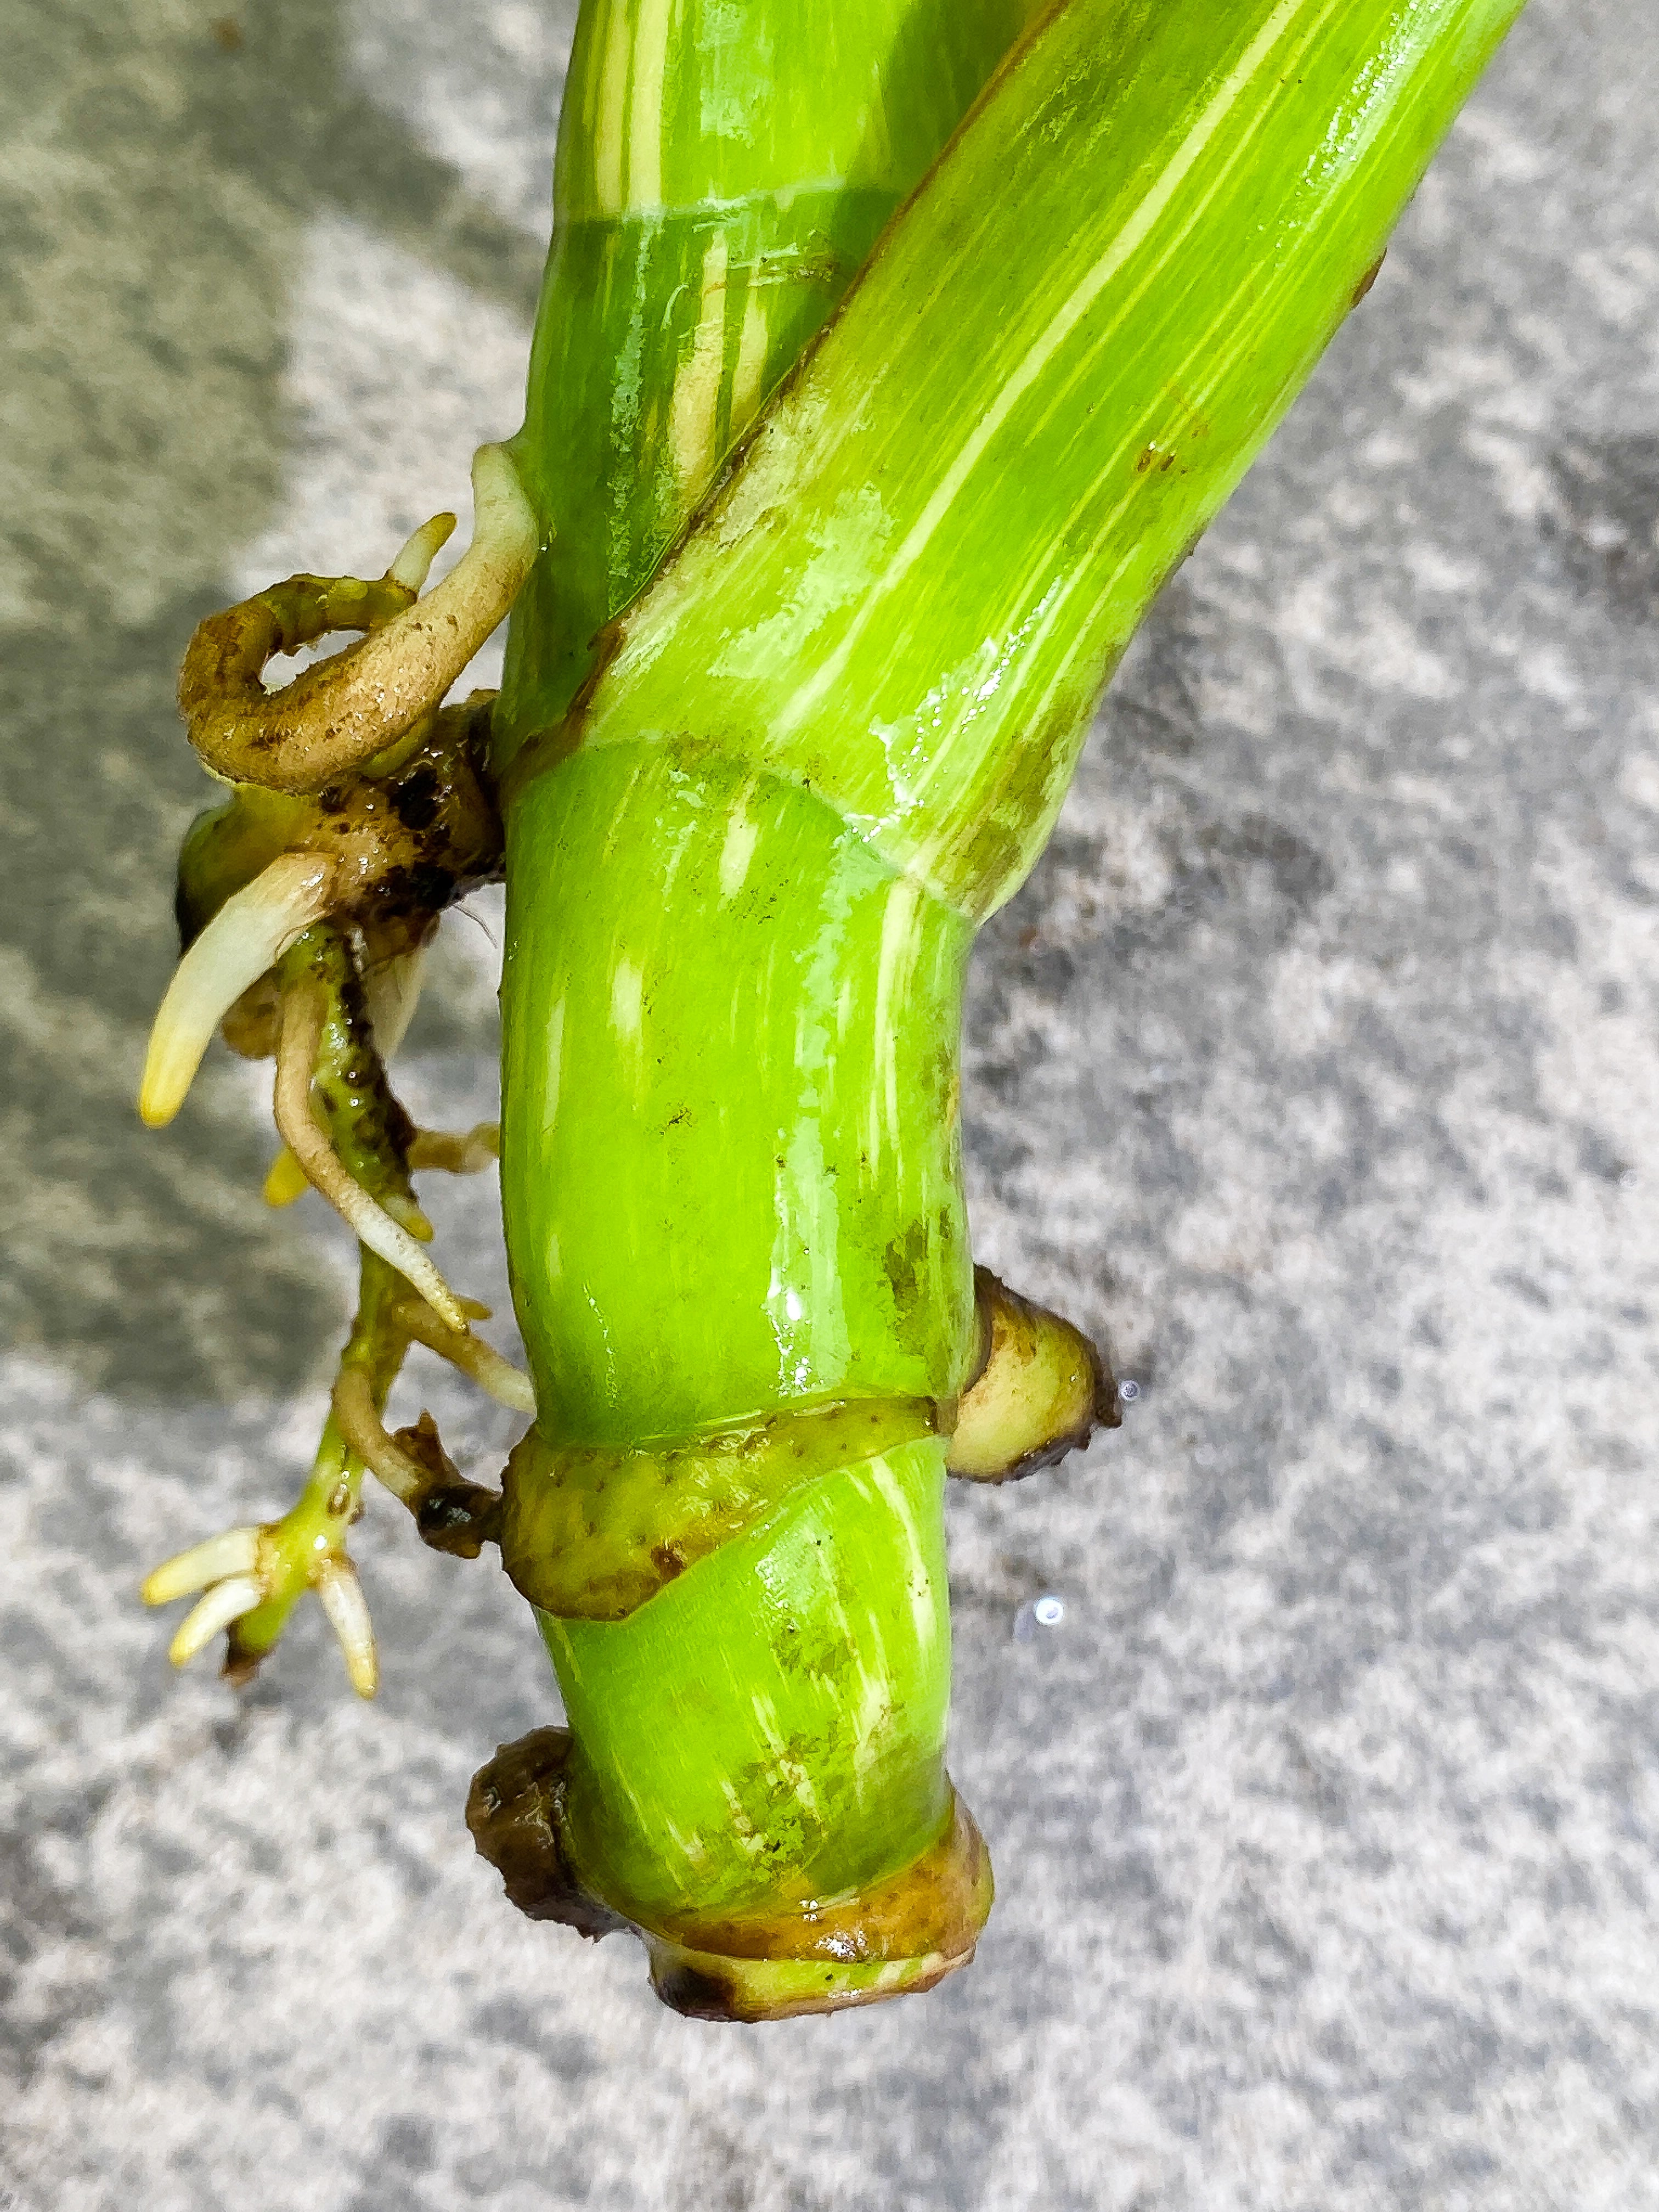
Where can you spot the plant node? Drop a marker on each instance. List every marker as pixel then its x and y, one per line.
pixel 1041 1389
pixel 903 1930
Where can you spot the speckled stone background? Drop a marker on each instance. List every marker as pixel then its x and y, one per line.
pixel 1317 1068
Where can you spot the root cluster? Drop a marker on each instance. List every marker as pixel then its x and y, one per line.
pixel 360 807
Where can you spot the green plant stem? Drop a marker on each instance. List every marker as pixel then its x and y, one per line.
pixel 1038 397
pixel 722 173
pixel 822 1701
pixel 721 179
pixel 830 737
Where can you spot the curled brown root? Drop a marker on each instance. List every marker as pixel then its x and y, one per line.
pixel 345 710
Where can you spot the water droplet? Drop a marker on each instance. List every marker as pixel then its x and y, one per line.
pixel 1045 1612
pixel 1129 1390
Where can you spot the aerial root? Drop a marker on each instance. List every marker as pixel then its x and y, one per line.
pixel 418 552
pixel 361 1425
pixel 245 1568
pixel 246 936
pixel 456 1152
pixel 236 1552
pixel 298 1043
pixel 226 1601
pixel 344 711
pixel 342 1596
pixel 452 1515
pixel 507 1384
pixel 392 991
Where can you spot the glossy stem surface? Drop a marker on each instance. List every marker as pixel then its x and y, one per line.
pixel 771 1726
pixel 724 168
pixel 1061 362
pixel 827 739
pixel 799 1754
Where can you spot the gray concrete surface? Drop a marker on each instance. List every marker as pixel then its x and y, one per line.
pixel 1317 1066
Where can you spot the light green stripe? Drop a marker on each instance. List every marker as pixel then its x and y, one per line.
pixel 1013 387
pixel 970 537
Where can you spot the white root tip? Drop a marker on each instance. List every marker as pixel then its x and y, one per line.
pixel 225 1602
pixel 393 991
pixel 342 1600
pixel 507 1384
pixel 490 1370
pixel 251 931
pixel 411 566
pixel 234 1552
pixel 374 1227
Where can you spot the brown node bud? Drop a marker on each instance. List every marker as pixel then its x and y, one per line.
pixel 515 1812
pixel 1041 1391
pixel 451 1514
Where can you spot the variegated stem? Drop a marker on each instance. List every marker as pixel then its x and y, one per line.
pixel 721 176
pixel 1042 389
pixel 722 173
pixel 744 867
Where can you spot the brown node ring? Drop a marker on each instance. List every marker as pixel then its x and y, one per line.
pixel 904 1931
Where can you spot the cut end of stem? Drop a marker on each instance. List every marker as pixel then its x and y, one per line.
pixel 901 1933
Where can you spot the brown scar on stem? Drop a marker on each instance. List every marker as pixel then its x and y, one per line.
pixel 1366 282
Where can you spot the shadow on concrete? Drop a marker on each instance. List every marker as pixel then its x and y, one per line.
pixel 160 172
